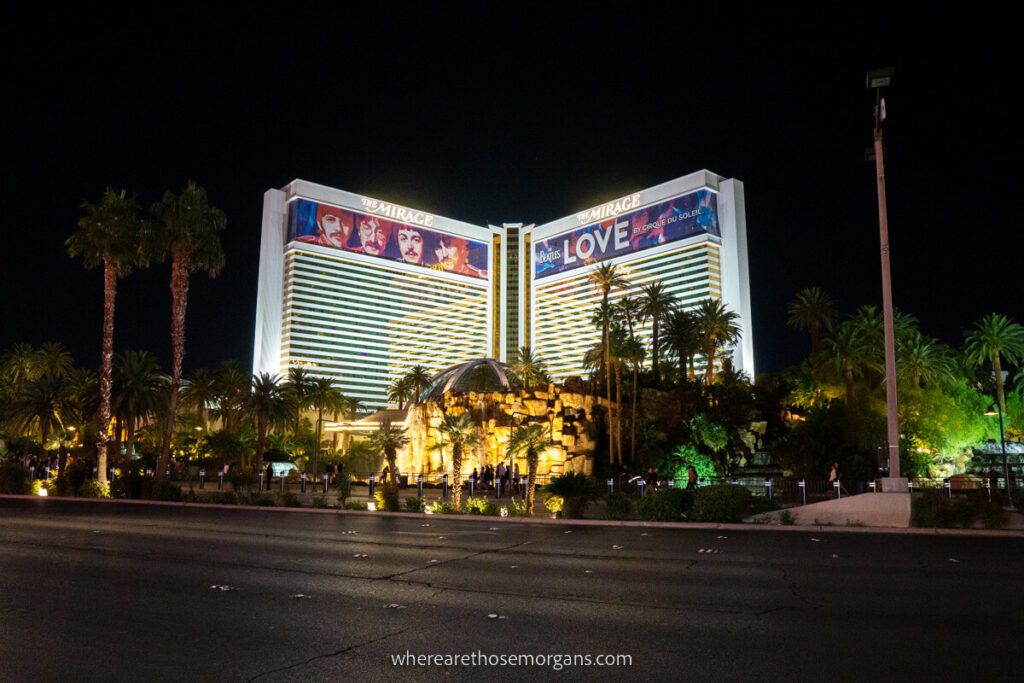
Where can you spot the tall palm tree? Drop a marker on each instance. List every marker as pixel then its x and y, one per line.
pixel 922 358
pixel 657 304
pixel 718 327
pixel 267 403
pixel 139 391
pixel 630 310
pixel 607 277
pixel 994 338
pixel 419 379
pixel 681 334
pixel 531 440
pixel 108 236
pixel 232 390
pixel 813 311
pixel 846 353
pixel 323 395
pixel 297 386
pixel 185 227
pixel 400 391
pixel 20 364
pixel 632 354
pixel 199 393
pixel 41 403
pixel 461 433
pixel 83 400
pixel 604 317
pixel 528 367
pixel 53 360
pixel 387 440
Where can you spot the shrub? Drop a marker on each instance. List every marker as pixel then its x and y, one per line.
pixel 722 503
pixel 14 479
pixel 58 486
pixel 74 477
pixel 239 480
pixel 320 502
pixel 931 509
pixel 354 505
pixel 554 504
pixel 414 505
pixel 786 519
pixel 995 516
pixel 576 490
pixel 619 506
pixel 444 507
pixel 94 489
pixel 164 490
pixel 482 506
pixel 515 508
pixel 343 481
pixel 286 499
pixel 667 505
pixel 962 512
pixel 222 498
pixel 261 500
pixel 387 497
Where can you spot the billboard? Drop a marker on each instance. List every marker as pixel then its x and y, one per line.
pixel 360 233
pixel 674 219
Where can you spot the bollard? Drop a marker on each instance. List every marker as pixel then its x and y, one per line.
pixel 261 482
pixel 910 485
pixel 472 486
pixel 32 473
pixel 671 483
pixel 872 485
pixel 110 474
pixel 325 483
pixel 526 482
pixel 419 486
pixel 444 486
pixel 768 488
pixel 701 481
pixel 988 487
pixel 95 472
pixel 735 482
pixel 373 481
pixel 835 485
pixel 302 483
pixel 640 487
pixel 167 473
pixel 949 488
pixel 283 479
pixel 220 481
pixel 611 486
pixel 202 479
pixel 149 473
pixel 803 491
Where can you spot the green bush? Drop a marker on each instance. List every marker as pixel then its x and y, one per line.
pixel 667 505
pixel 721 503
pixel 619 506
pixel 14 479
pixel 482 506
pixel 240 480
pixel 261 500
pixel 153 489
pixel 94 489
pixel 387 497
pixel 786 519
pixel 343 481
pixel 577 490
pixel 515 508
pixel 74 477
pixel 995 516
pixel 320 502
pixel 354 505
pixel 222 498
pixel 931 509
pixel 444 507
pixel 962 512
pixel 414 505
pixel 287 499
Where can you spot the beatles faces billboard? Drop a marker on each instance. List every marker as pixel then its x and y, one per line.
pixel 360 233
pixel 671 220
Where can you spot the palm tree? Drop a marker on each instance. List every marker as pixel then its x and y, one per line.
pixel 108 235
pixel 604 317
pixel 681 334
pixel 813 310
pixel 400 391
pixel 387 440
pixel 297 385
pixel 20 364
pixel 461 433
pixel 198 393
pixel 629 310
pixel 657 303
pixel 633 353
pixel 531 440
pixel 607 277
pixel 83 400
pixel 993 338
pixel 419 379
pixel 53 360
pixel 232 389
pixel 718 327
pixel 185 227
pixel 528 367
pixel 923 358
pixel 323 396
pixel 139 389
pixel 845 353
pixel 42 403
pixel 267 403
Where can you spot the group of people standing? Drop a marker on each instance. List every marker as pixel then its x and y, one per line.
pixel 504 480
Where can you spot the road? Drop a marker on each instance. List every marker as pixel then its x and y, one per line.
pixel 118 592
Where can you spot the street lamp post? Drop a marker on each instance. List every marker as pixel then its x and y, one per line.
pixel 878 79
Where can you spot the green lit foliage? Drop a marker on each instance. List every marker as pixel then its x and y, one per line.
pixel 684 456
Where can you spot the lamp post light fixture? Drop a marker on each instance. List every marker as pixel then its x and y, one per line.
pixel 1002 444
pixel 876 80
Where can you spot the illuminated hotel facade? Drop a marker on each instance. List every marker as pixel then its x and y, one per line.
pixel 361 290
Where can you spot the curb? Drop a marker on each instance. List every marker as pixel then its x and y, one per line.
pixel 715 526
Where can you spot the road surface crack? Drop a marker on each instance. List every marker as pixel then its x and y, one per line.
pixel 330 654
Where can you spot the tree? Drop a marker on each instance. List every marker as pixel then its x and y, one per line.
pixel 139 390
pixel 53 360
pixel 41 402
pixel 419 380
pixel 108 236
pixel 400 390
pixel 323 396
pixel 657 303
pixel 813 311
pixel 461 433
pixel 232 390
pixel 531 440
pixel 199 393
pixel 845 353
pixel 297 386
pixel 920 358
pixel 719 328
pixel 387 440
pixel 993 338
pixel 267 402
pixel 185 227
pixel 629 310
pixel 607 277
pixel 681 334
pixel 632 353
pixel 527 367
pixel 20 364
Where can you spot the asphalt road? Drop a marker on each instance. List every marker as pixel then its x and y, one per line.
pixel 112 592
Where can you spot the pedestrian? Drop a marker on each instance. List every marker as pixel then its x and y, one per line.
pixel 474 477
pixel 384 474
pixel 515 478
pixel 501 478
pixel 835 475
pixel 691 477
pixel 270 474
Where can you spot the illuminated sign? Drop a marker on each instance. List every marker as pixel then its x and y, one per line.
pixel 612 233
pixel 399 213
pixel 360 233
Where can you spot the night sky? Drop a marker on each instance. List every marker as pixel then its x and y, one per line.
pixel 491 116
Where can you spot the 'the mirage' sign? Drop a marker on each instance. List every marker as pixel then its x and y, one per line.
pixel 669 221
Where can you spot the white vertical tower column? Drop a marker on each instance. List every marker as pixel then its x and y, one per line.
pixel 732 221
pixel 267 342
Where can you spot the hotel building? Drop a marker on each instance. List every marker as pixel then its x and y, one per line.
pixel 361 290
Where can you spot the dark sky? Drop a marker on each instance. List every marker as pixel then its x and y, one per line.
pixel 490 115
